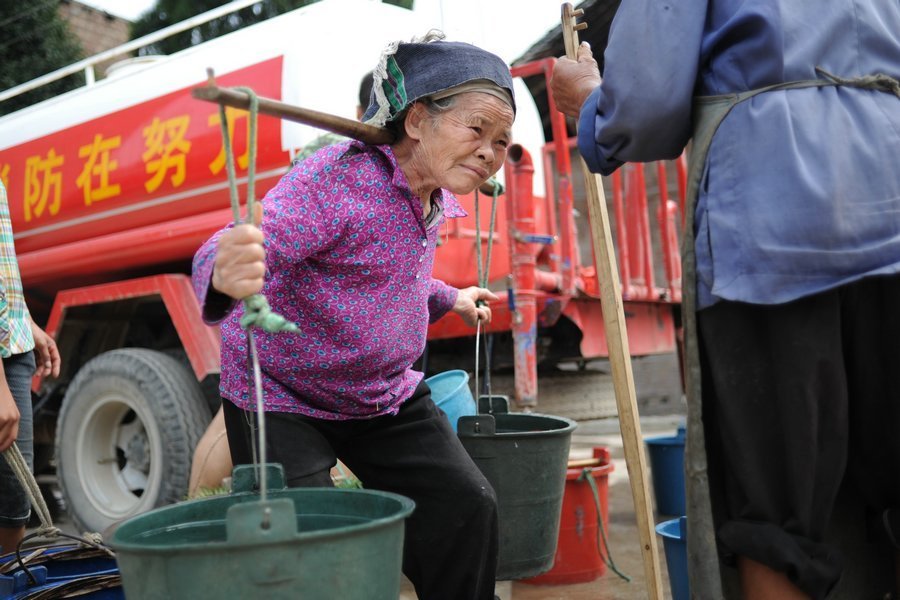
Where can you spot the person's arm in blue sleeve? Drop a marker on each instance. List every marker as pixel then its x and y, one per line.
pixel 641 111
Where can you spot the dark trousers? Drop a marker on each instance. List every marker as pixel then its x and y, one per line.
pixel 795 397
pixel 450 549
pixel 15 506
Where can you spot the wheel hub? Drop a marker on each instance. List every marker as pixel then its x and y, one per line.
pixel 136 452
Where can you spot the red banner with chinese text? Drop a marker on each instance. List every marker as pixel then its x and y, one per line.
pixel 155 161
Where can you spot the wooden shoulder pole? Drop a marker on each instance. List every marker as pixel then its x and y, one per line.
pixel 368 134
pixel 617 343
pixel 340 125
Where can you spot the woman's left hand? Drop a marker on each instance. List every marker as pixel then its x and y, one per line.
pixel 467 305
pixel 46 354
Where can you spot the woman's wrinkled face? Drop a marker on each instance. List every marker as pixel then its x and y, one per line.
pixel 464 145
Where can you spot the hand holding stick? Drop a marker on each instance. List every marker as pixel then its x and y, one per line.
pixel 617 343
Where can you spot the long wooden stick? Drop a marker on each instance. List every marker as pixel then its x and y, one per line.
pixel 617 343
pixel 368 134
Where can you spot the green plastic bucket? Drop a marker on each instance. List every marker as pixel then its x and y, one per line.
pixel 525 458
pixel 310 543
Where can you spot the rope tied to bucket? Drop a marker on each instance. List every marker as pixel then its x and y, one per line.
pixel 587 474
pixel 20 468
pixel 257 312
pixel 482 275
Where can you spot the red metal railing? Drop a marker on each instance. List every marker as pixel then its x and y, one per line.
pixel 634 238
pixel 630 209
pixel 564 249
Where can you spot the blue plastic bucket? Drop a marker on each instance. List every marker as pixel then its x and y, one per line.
pixel 450 392
pixel 674 535
pixel 61 569
pixel 667 467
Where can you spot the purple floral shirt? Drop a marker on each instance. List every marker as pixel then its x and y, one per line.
pixel 349 260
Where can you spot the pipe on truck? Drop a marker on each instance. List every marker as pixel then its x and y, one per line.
pixel 520 210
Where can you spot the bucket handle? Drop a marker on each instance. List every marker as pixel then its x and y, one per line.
pixel 261 521
pixel 484 422
pixel 244 478
pixel 492 404
pixel 475 425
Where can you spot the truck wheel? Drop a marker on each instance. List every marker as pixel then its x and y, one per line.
pixel 126 435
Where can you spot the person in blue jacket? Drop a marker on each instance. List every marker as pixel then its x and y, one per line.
pixel 792 255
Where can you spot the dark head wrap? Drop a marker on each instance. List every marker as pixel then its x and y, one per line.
pixel 411 71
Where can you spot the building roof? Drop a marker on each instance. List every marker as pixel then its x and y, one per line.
pixel 598 14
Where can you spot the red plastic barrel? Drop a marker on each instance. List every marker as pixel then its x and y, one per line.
pixel 578 556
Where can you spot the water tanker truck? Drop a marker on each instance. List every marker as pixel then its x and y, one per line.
pixel 113 186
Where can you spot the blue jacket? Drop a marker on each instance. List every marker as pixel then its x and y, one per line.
pixel 802 187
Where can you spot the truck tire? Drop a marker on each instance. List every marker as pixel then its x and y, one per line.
pixel 126 435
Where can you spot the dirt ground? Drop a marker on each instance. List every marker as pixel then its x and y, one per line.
pixel 623 535
pixel 587 396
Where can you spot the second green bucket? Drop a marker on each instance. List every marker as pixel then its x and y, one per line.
pixel 524 457
pixel 310 543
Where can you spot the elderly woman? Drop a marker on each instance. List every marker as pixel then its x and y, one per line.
pixel 345 250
